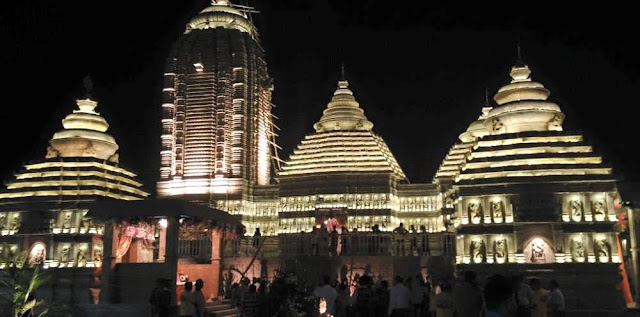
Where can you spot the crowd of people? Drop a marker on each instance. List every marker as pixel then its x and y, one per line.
pixel 414 296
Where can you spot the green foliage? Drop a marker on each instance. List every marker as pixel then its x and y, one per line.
pixel 291 297
pixel 22 281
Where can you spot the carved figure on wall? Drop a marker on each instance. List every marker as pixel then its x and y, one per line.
pixel 537 250
pixel 66 221
pixel 575 208
pixel 64 255
pixel 86 223
pixel 478 251
pixel 497 211
pixel 3 221
pixel 81 257
pixel 556 122
pixel 603 250
pixel 599 208
pixel 475 212
pixel 37 254
pixel 497 125
pixel 500 251
pixel 97 255
pixel 577 250
pixel 15 222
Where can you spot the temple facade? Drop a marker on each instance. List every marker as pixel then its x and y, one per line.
pixel 43 209
pixel 526 191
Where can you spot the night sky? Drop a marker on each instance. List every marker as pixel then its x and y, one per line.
pixel 419 70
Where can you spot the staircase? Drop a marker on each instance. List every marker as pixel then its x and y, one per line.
pixel 221 308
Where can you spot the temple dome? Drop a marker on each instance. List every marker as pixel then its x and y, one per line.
pixel 343 143
pixel 523 106
pixel 477 128
pixel 83 134
pixel 221 14
pixel 343 112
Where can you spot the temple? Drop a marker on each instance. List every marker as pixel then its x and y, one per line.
pixel 516 194
pixel 43 209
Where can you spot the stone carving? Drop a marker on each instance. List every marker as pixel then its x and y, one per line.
pixel 497 211
pixel 97 254
pixel 66 220
pixel 603 250
pixel 577 250
pixel 86 223
pixel 556 122
pixel 3 221
pixel 537 250
pixel 500 251
pixel 37 254
pixel 575 209
pixel 599 209
pixel 81 257
pixel 51 152
pixel 64 255
pixel 15 222
pixel 496 125
pixel 475 212
pixel 478 251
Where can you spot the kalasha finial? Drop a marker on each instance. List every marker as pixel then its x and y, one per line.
pixel 220 2
pixel 486 97
pixel 342 74
pixel 519 61
pixel 88 86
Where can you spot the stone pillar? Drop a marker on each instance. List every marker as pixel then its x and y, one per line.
pixel 635 267
pixel 108 262
pixel 171 255
pixel 216 258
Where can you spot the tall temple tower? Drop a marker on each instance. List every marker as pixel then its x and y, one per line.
pixel 216 110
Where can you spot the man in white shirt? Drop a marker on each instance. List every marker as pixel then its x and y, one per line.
pixel 399 295
pixel 329 294
pixel 556 300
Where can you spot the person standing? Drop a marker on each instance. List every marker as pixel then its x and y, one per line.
pixel 160 298
pixel 418 295
pixel 399 305
pixel 399 233
pixel 199 299
pixel 329 294
pixel 523 297
pixel 556 300
pixel 498 295
pixel 468 296
pixel 251 302
pixel 539 299
pixel 444 302
pixel 187 301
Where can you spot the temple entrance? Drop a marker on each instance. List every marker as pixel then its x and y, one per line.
pixel 331 218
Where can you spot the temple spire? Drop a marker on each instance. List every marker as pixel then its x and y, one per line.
pixel 88 87
pixel 343 77
pixel 519 61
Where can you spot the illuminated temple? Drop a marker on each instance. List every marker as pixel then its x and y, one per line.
pixel 42 210
pixel 516 193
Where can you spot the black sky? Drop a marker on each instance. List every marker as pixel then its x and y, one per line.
pixel 418 69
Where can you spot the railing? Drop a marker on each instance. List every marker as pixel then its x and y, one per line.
pixel 195 249
pixel 370 244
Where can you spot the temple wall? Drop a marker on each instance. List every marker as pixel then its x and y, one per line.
pixel 209 273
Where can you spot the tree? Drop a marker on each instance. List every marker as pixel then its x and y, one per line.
pixel 22 281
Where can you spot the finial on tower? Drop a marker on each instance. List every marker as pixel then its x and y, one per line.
pixel 519 61
pixel 220 2
pixel 486 97
pixel 342 75
pixel 88 86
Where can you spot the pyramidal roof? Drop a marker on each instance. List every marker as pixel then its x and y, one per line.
pixel 524 143
pixel 80 165
pixel 343 143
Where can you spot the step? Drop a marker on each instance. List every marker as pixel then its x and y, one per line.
pixel 223 313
